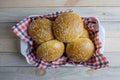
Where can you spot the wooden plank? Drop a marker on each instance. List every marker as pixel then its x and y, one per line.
pixel 112 45
pixel 9 42
pixel 112 29
pixel 12 59
pixel 6 30
pixel 103 13
pixel 16 59
pixel 41 3
pixel 9 45
pixel 112 57
pixel 30 73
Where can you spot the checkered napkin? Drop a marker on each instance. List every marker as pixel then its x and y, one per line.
pixel 97 61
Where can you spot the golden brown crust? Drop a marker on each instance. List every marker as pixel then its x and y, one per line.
pixel 84 34
pixel 68 27
pixel 40 30
pixel 80 50
pixel 50 50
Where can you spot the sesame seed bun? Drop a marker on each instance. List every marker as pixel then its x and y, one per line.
pixel 68 27
pixel 40 30
pixel 50 50
pixel 80 50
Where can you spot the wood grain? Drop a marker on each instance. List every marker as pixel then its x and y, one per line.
pixel 46 3
pixel 12 59
pixel 112 28
pixel 112 45
pixel 9 45
pixel 6 30
pixel 103 13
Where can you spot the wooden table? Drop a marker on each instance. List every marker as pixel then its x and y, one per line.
pixel 13 65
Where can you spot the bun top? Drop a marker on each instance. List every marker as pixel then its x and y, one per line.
pixel 50 50
pixel 40 30
pixel 68 27
pixel 80 50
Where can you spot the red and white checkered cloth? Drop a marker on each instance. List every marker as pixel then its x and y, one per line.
pixel 97 61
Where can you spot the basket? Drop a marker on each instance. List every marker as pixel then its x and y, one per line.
pixel 94 28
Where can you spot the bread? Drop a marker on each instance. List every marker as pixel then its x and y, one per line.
pixel 84 34
pixel 80 50
pixel 68 27
pixel 40 30
pixel 50 50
